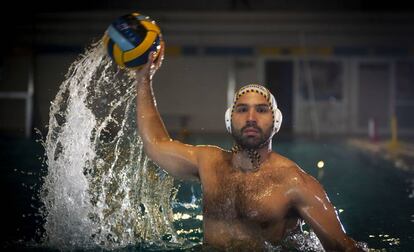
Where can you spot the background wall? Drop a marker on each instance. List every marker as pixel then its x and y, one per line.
pixel 341 66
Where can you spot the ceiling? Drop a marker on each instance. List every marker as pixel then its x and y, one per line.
pixel 211 5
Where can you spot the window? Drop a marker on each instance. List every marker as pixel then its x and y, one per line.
pixel 326 77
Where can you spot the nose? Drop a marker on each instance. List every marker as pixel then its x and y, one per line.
pixel 251 117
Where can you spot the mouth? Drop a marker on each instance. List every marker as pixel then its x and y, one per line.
pixel 251 131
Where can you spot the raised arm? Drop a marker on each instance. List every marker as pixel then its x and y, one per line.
pixel 314 207
pixel 178 159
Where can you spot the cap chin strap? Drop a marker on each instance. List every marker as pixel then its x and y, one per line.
pixel 253 154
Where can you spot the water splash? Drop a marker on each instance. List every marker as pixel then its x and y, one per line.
pixel 101 191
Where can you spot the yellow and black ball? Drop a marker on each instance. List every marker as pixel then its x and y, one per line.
pixel 130 39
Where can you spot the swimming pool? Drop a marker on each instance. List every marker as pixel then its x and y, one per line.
pixel 374 199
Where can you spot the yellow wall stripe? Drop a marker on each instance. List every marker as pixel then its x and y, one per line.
pixel 270 50
pixel 296 50
pixel 173 50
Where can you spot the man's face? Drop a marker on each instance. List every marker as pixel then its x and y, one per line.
pixel 252 121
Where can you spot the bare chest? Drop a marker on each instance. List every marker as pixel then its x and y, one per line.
pixel 253 197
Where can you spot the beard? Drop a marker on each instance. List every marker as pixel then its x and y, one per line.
pixel 251 142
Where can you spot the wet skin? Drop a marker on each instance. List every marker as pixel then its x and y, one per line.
pixel 238 199
pixel 245 209
pixel 243 206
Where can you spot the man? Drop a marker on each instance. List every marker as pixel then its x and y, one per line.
pixel 252 196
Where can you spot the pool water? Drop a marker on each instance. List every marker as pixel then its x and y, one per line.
pixel 373 198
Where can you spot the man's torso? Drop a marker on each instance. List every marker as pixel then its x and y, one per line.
pixel 243 209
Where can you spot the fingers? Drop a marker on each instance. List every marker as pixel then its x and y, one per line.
pixel 154 62
pixel 143 71
pixel 147 66
pixel 157 58
pixel 151 58
pixel 160 57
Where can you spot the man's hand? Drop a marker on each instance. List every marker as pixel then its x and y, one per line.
pixel 148 70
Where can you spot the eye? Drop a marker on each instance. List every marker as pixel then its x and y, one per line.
pixel 241 109
pixel 262 109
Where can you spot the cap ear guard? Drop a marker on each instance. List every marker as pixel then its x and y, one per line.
pixel 278 116
pixel 278 121
pixel 227 118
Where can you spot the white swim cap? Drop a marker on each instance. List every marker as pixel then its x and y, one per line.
pixel 277 114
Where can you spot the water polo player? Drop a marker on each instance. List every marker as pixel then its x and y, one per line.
pixel 253 197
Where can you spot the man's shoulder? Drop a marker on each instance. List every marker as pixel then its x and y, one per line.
pixel 211 148
pixel 279 162
pixel 211 151
pixel 293 174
